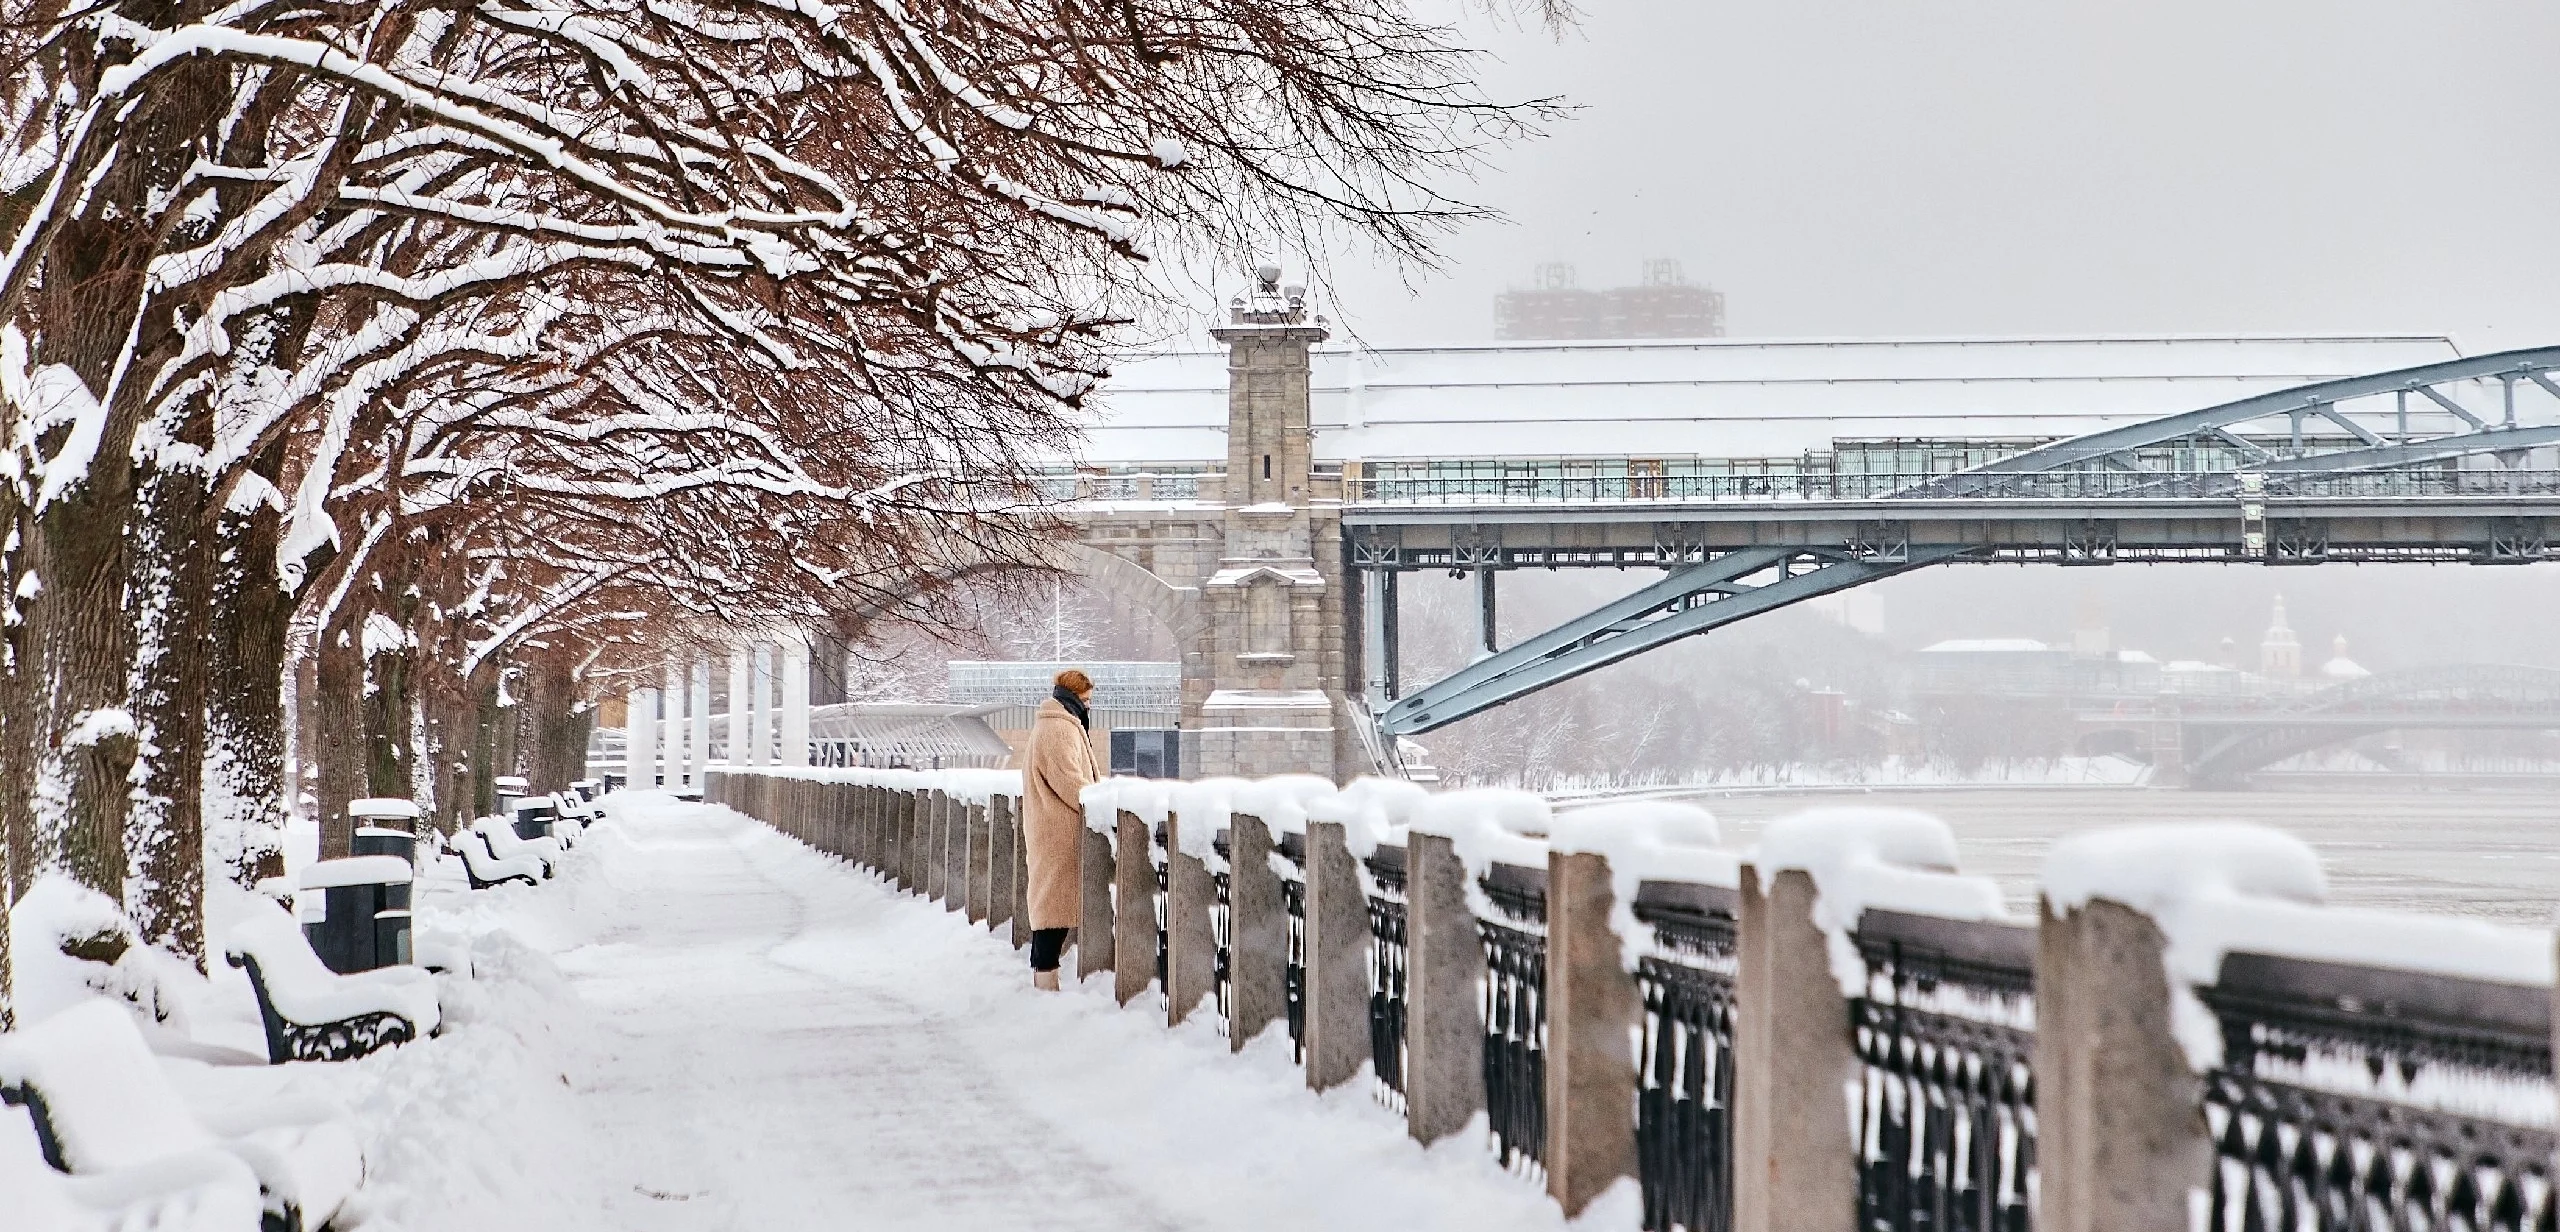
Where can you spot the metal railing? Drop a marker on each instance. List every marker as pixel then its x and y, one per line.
pixel 1684 1124
pixel 2071 485
pixel 1945 1039
pixel 1293 897
pixel 2356 1097
pixel 1515 1014
pixel 1387 967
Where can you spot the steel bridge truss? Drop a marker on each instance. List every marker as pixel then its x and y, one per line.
pixel 2268 479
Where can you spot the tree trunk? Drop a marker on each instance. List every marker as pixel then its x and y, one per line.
pixel 387 716
pixel 164 838
pixel 551 699
pixel 338 715
pixel 247 787
pixel 486 716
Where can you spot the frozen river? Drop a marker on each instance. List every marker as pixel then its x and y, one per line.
pixel 2489 854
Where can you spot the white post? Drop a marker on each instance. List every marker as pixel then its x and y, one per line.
pixel 760 723
pixel 640 740
pixel 698 754
pixel 795 703
pixel 672 690
pixel 739 680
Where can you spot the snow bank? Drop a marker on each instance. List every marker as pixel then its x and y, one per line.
pixel 1861 858
pixel 107 957
pixel 1644 841
pixel 2216 888
pixel 204 1191
pixel 1148 799
pixel 1488 826
pixel 1371 811
pixel 1281 800
pixel 1206 808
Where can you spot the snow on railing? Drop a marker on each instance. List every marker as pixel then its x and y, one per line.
pixel 1630 1012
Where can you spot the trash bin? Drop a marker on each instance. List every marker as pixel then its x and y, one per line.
pixel 355 911
pixel 376 841
pixel 533 816
pixel 510 788
pixel 613 782
pixel 587 790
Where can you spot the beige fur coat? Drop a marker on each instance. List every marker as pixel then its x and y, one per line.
pixel 1059 766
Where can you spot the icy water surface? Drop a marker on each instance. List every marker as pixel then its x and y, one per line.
pixel 2489 854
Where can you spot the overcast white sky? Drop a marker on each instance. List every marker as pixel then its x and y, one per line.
pixel 1968 167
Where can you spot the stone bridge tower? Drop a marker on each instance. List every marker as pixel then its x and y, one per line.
pixel 1248 575
pixel 1268 674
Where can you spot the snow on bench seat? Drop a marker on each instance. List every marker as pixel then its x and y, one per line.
pixel 315 1014
pixel 503 843
pixel 201 1191
pixel 485 868
pixel 103 1109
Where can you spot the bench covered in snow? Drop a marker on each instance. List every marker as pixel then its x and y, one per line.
pixel 104 1114
pixel 500 835
pixel 315 1014
pixel 485 868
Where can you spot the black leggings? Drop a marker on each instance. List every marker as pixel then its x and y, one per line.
pixel 1046 945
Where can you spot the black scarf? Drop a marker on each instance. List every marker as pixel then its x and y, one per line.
pixel 1074 704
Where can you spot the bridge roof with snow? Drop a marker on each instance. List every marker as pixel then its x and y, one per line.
pixel 1724 398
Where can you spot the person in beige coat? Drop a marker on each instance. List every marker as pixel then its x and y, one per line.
pixel 1060 765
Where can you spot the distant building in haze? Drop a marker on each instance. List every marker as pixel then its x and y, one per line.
pixel 1664 305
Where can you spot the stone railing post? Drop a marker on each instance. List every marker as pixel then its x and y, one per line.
pixel 1793 1169
pixel 981 863
pixel 1134 936
pixel 2121 1138
pixel 1191 940
pixel 1337 1029
pixel 937 841
pixel 912 828
pixel 1257 932
pixel 1444 982
pixel 866 825
pixel 1094 935
pixel 955 853
pixel 1001 865
pixel 1593 1012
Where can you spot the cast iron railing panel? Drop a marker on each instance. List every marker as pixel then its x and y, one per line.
pixel 1387 974
pixel 2351 1098
pixel 1158 856
pixel 1684 1129
pixel 1945 1039
pixel 1515 1014
pixel 1293 895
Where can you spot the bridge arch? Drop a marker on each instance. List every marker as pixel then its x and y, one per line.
pixel 2223 748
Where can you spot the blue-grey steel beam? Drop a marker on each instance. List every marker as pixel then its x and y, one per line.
pixel 1689 602
pixel 2422 379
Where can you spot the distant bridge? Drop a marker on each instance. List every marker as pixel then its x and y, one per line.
pixel 2435 463
pixel 2220 740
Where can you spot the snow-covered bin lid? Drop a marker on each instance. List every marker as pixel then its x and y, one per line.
pixel 516 781
pixel 1863 858
pixel 523 803
pixel 357 870
pixel 382 806
pixel 381 832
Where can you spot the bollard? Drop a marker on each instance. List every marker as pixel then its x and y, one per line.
pixel 1257 933
pixel 1191 939
pixel 2121 1138
pixel 1134 935
pixel 1444 982
pixel 1002 867
pixel 1094 940
pixel 1337 1030
pixel 981 862
pixel 1793 1164
pixel 1593 1017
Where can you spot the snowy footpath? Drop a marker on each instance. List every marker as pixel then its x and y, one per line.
pixel 704 1025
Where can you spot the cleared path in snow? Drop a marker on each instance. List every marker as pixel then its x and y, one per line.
pixel 779 1041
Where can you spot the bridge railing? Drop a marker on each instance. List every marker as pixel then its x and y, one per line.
pixel 2181 1036
pixel 2062 485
